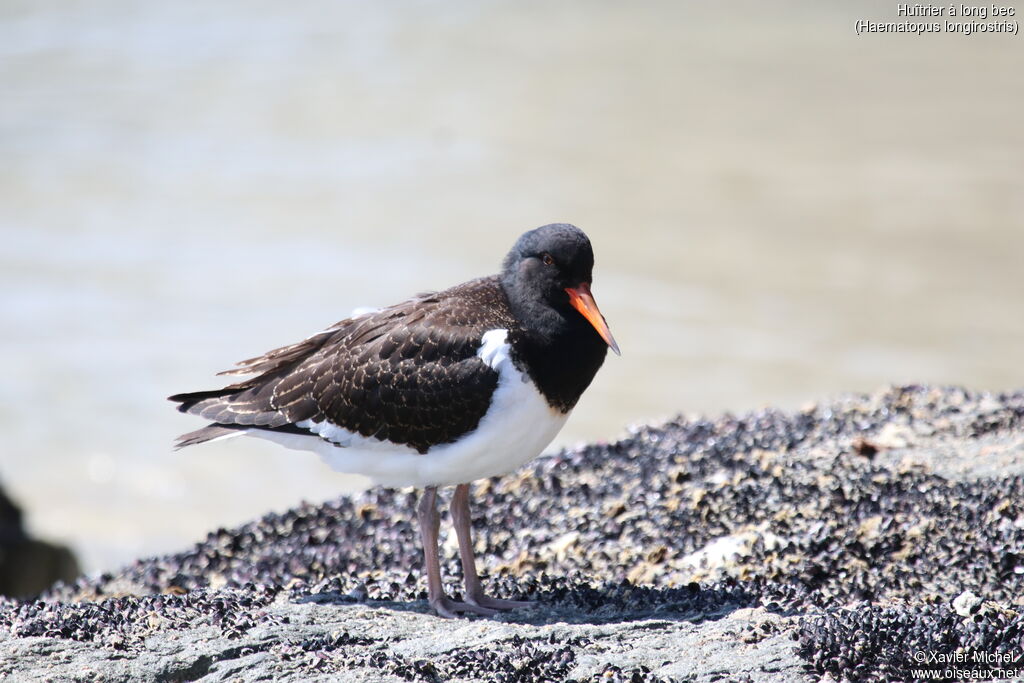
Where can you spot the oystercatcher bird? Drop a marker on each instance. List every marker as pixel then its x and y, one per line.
pixel 442 389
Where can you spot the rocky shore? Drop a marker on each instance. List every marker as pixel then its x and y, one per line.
pixel 858 539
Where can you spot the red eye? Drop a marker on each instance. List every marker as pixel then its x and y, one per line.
pixel 548 260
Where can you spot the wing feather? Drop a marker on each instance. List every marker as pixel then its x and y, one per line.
pixel 408 374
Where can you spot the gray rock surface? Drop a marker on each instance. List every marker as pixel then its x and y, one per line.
pixel 835 542
pixel 390 643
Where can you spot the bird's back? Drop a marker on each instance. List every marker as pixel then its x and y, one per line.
pixel 408 374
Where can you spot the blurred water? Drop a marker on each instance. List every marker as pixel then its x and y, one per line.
pixel 780 210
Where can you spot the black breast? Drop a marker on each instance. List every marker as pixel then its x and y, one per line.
pixel 561 365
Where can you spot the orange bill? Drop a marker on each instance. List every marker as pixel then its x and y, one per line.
pixel 582 300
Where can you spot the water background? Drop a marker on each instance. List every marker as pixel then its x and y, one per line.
pixel 781 211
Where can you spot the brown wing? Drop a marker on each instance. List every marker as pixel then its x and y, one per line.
pixel 407 374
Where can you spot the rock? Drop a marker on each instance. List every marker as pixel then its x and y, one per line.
pixel 814 562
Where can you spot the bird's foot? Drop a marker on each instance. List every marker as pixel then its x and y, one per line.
pixel 450 609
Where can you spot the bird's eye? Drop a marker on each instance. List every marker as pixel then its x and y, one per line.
pixel 548 259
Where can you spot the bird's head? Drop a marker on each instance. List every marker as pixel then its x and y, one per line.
pixel 553 266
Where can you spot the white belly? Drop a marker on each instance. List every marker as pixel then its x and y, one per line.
pixel 516 428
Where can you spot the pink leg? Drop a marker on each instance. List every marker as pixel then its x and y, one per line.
pixel 474 590
pixel 430 522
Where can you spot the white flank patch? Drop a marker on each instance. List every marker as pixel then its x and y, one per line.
pixel 516 428
pixel 493 349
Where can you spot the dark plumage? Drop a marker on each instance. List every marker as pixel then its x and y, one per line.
pixel 406 374
pixel 409 373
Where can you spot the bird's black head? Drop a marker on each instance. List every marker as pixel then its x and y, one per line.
pixel 547 260
pixel 547 277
